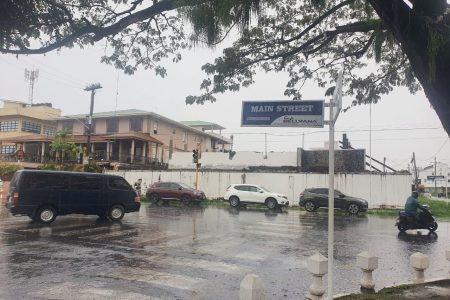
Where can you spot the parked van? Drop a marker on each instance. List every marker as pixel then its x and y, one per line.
pixel 43 195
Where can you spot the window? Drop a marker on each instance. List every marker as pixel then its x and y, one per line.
pixel 253 189
pixel 10 149
pixel 155 127
pixel 67 125
pixel 112 125
pixel 242 188
pixel 31 127
pixel 86 183
pixel 184 138
pixel 118 184
pixel 174 186
pixel 9 126
pixel 164 185
pixel 40 181
pixel 136 124
pixel 49 131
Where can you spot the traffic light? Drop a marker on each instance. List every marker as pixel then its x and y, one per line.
pixel 195 155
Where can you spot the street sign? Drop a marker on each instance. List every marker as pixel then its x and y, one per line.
pixel 303 113
pixel 337 97
pixel 436 177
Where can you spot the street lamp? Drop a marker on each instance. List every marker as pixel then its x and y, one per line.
pixel 91 88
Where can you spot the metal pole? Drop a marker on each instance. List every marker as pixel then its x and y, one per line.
pixel 303 141
pixel 331 204
pixel 92 89
pixel 91 112
pixel 435 174
pixel 265 145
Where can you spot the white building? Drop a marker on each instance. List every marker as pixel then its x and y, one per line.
pixel 435 178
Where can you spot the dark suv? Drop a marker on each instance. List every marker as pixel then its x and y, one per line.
pixel 312 199
pixel 174 190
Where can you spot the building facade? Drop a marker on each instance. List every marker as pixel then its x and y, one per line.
pixel 435 178
pixel 137 136
pixel 133 138
pixel 26 130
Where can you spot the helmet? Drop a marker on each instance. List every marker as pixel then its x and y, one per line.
pixel 415 194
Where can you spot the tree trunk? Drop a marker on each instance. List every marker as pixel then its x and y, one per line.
pixel 426 42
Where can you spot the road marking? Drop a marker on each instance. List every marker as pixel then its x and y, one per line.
pixel 158 278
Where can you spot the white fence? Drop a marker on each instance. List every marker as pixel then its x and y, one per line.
pixel 378 189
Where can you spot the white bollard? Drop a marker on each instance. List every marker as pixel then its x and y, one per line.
pixel 419 262
pixel 252 288
pixel 318 266
pixel 368 263
pixel 447 254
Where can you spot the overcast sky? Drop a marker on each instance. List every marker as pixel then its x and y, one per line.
pixel 401 123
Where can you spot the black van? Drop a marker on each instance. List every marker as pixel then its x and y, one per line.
pixel 42 195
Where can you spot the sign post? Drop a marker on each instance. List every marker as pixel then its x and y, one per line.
pixel 335 108
pixel 304 113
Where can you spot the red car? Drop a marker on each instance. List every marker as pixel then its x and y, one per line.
pixel 174 190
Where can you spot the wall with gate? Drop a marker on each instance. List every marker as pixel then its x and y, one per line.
pixel 378 189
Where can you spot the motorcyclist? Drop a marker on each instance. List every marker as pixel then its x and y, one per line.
pixel 412 205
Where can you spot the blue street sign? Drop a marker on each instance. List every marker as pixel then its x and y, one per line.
pixel 435 177
pixel 303 113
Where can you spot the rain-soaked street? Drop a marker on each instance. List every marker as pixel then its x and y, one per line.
pixel 168 252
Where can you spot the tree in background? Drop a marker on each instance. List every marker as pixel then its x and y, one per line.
pixel 64 149
pixel 408 41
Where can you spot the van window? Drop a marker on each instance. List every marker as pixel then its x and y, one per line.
pixel 86 183
pixel 41 181
pixel 118 184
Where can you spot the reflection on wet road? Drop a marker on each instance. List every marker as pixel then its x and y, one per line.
pixel 167 252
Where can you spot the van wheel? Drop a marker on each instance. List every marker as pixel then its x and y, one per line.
pixel 46 214
pixel 116 213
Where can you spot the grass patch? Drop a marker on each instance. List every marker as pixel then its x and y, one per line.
pixel 390 293
pixel 439 209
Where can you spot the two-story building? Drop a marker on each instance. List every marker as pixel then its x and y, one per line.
pixel 26 127
pixel 125 137
pixel 137 136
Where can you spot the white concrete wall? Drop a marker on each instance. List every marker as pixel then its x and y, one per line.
pixel 242 159
pixel 378 190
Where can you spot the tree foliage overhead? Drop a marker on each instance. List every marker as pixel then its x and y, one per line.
pixel 409 45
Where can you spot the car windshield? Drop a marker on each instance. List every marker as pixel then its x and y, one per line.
pixel 185 186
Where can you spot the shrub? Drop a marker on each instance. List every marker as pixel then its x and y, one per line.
pixel 7 171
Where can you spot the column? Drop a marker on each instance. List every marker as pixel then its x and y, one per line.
pixel 120 151
pixel 132 152
pixel 24 145
pixel 108 150
pixel 42 152
pixel 144 152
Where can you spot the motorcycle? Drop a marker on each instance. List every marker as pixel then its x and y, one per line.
pixel 425 220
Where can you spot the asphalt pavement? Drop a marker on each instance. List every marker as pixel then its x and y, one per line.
pixel 178 252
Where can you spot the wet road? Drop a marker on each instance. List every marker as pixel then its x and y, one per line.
pixel 168 252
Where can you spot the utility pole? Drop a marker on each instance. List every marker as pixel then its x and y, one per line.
pixel 435 176
pixel 92 89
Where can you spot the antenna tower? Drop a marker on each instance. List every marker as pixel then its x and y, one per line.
pixel 31 77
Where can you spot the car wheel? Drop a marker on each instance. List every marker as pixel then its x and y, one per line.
pixel 353 208
pixel 310 206
pixel 271 203
pixel 433 227
pixel 402 227
pixel 46 214
pixel 154 198
pixel 116 213
pixel 234 201
pixel 186 199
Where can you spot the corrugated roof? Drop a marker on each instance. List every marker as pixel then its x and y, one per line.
pixel 204 124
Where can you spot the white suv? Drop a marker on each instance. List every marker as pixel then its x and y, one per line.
pixel 250 193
